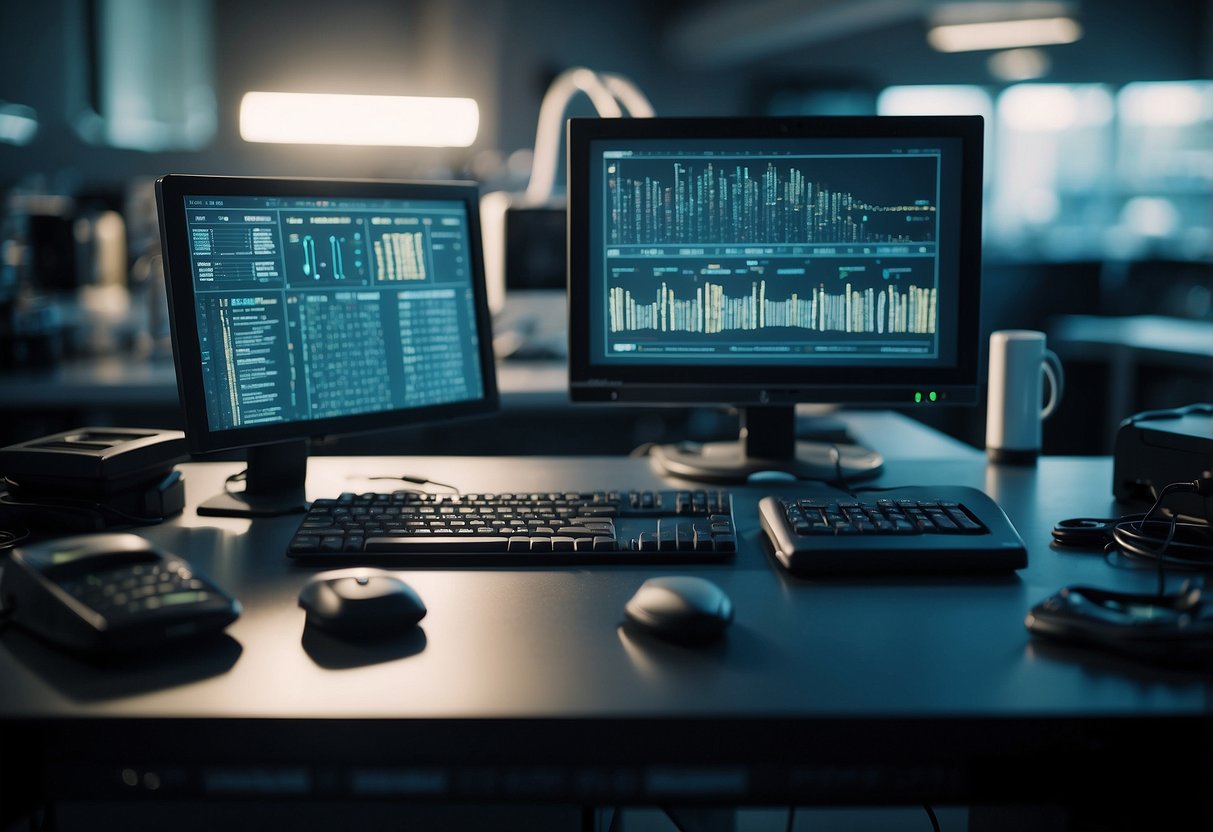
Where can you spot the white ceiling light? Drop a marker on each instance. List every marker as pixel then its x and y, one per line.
pixel 1019 65
pixel 381 120
pixel 967 27
pixel 1004 34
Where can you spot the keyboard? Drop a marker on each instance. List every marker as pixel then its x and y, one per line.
pixel 602 527
pixel 947 529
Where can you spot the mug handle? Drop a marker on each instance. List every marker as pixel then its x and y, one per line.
pixel 1051 365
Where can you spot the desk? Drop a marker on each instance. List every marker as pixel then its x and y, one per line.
pixel 522 687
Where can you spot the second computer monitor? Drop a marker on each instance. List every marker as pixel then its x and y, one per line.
pixel 766 262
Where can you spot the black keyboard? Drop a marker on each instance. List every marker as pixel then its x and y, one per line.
pixel 942 529
pixel 407 528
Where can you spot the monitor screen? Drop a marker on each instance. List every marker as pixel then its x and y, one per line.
pixel 766 262
pixel 306 308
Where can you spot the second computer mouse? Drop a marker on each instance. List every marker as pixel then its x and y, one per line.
pixel 361 603
pixel 680 608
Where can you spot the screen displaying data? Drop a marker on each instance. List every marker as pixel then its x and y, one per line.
pixel 820 251
pixel 318 308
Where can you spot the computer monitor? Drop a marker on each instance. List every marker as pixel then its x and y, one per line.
pixel 304 308
pixel 764 262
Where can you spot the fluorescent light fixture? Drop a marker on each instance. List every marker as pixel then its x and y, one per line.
pixel 1004 34
pixel 380 120
pixel 18 124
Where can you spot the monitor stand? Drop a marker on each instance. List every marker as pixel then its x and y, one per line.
pixel 767 443
pixel 273 484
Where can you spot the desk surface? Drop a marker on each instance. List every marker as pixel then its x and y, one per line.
pixel 847 663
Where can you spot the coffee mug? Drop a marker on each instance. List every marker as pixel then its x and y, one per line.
pixel 1019 364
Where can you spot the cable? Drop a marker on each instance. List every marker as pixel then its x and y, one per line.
pixel 11 539
pixel 791 819
pixel 1162 542
pixel 421 481
pixel 76 505
pixel 670 815
pixel 1195 551
pixel 931 814
pixel 840 479
pixel 642 450
pixel 239 476
pixel 606 92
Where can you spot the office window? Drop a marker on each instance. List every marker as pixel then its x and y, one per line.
pixel 1052 188
pixel 1164 167
pixel 943 100
pixel 935 99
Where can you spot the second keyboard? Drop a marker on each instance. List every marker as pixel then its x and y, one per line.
pixel 602 527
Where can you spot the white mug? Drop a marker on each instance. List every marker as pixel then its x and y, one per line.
pixel 1019 364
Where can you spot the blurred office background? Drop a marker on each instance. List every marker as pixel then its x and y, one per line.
pixel 1098 218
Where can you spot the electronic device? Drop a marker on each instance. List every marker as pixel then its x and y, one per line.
pixel 89 479
pixel 361 603
pixel 637 527
pixel 535 248
pixel 763 262
pixel 920 529
pixel 1159 447
pixel 303 308
pixel 680 608
pixel 110 593
pixel 1175 628
pixel 532 323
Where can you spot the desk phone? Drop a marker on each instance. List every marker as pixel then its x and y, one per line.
pixel 110 593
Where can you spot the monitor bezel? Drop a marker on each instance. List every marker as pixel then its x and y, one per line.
pixel 171 191
pixel 757 384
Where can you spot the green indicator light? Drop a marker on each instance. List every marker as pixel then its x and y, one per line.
pixel 917 397
pixel 932 395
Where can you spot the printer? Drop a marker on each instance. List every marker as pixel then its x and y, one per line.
pixel 1160 447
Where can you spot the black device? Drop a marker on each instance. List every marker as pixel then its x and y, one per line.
pixel 91 478
pixel 533 321
pixel 680 608
pixel 936 529
pixel 361 603
pixel 763 262
pixel 1159 447
pixel 110 593
pixel 535 248
pixel 636 527
pixel 303 308
pixel 1175 628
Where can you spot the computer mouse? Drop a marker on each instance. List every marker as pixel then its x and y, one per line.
pixel 361 603
pixel 680 608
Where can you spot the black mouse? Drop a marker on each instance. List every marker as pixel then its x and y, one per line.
pixel 361 603
pixel 680 608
